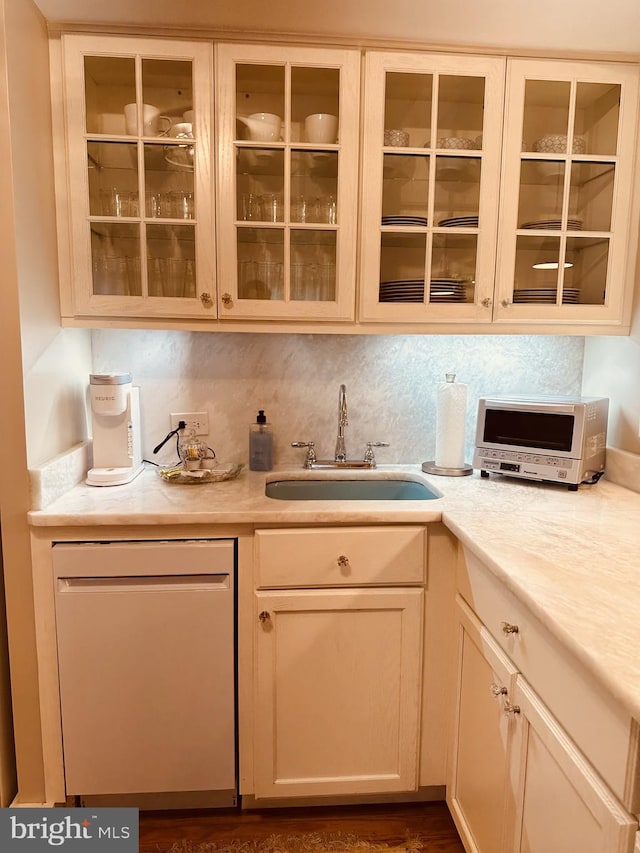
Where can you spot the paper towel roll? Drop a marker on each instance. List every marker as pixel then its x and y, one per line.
pixel 450 423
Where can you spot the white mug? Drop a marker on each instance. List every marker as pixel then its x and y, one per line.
pixel 151 120
pixel 321 127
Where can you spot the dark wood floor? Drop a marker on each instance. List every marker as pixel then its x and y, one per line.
pixel 392 824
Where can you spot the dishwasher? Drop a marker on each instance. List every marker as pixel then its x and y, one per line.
pixel 146 667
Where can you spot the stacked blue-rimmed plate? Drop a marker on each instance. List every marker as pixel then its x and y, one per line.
pixel 547 295
pixel 412 290
pixel 553 224
pixel 459 222
pixel 404 220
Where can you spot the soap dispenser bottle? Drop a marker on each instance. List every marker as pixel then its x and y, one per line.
pixel 261 444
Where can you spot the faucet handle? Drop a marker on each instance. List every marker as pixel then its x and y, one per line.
pixel 369 455
pixel 311 453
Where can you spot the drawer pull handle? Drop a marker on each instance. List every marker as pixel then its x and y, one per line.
pixel 511 709
pixel 265 616
pixel 508 628
pixel 343 561
pixel 497 690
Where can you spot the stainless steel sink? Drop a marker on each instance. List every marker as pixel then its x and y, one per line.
pixel 350 490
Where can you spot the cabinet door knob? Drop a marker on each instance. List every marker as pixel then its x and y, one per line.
pixel 505 303
pixel 498 690
pixel 343 561
pixel 227 301
pixel 487 302
pixel 511 709
pixel 508 628
pixel 206 300
pixel 265 616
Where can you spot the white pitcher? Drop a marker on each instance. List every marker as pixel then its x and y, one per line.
pixel 263 127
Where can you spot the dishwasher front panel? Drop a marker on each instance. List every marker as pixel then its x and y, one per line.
pixel 147 666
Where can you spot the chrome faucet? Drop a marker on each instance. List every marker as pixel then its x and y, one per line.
pixel 340 457
pixel 341 450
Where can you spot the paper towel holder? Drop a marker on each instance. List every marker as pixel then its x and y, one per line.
pixel 432 468
pixel 450 393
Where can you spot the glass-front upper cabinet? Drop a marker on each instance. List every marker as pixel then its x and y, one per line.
pixel 138 114
pixel 432 142
pixel 567 213
pixel 287 181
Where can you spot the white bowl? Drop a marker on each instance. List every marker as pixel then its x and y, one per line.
pixel 460 142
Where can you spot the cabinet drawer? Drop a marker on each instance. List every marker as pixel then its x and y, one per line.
pixel 340 556
pixel 596 722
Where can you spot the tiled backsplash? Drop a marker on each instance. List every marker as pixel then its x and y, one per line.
pixel 391 384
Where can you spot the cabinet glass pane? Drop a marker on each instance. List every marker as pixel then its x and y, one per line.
pixel 115 259
pixel 405 189
pixel 313 265
pixel 169 190
pixel 597 117
pixel 171 260
pixel 457 191
pixel 315 105
pixel 408 106
pixel 546 116
pixel 112 171
pixel 460 111
pixel 314 186
pixel 260 104
pixel 585 281
pixel 109 84
pixel 402 263
pixel 167 95
pixel 537 269
pixel 260 263
pixel 260 184
pixel 591 195
pixel 541 193
pixel 453 267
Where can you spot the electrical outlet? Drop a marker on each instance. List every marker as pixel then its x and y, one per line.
pixel 194 420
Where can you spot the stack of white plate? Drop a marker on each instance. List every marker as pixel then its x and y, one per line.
pixel 404 220
pixel 570 295
pixel 459 222
pixel 554 224
pixel 412 290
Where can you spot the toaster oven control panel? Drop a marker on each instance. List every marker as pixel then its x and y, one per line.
pixel 530 466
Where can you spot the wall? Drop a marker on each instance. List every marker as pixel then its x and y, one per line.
pixel 391 383
pixel 612 369
pixel 41 364
pixel 54 360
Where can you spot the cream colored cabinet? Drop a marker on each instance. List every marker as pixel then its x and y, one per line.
pixel 541 761
pixel 568 220
pixel 478 792
pixel 431 164
pixel 287 181
pixel 337 677
pixel 139 193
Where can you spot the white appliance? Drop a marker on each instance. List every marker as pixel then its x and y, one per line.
pixel 551 439
pixel 115 419
pixel 146 659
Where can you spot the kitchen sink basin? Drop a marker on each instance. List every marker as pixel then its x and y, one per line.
pixel 350 490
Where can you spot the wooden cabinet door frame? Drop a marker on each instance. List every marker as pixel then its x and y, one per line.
pixel 359 652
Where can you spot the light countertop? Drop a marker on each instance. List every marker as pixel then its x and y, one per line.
pixel 572 557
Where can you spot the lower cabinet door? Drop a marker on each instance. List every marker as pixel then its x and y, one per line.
pixel 478 791
pixel 563 805
pixel 338 685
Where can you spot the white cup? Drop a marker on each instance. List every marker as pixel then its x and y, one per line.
pixel 151 120
pixel 182 130
pixel 321 127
